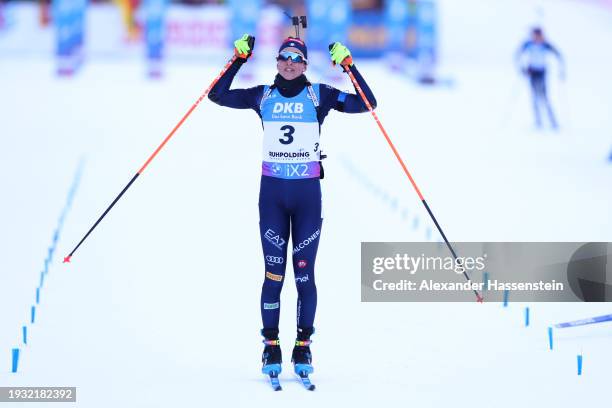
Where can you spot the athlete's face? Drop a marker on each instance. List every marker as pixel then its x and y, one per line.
pixel 289 69
pixel 538 37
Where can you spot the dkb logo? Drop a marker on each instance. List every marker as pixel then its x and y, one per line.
pixel 288 107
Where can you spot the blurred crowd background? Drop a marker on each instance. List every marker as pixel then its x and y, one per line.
pixel 157 29
pixel 411 38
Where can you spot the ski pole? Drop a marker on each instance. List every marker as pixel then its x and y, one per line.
pixel 510 103
pixel 161 146
pixel 565 110
pixel 479 298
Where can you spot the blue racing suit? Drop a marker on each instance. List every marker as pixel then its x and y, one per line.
pixel 292 113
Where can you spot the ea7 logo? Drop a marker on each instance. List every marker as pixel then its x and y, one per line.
pixel 275 239
pixel 288 107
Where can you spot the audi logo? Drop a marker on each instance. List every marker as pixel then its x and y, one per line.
pixel 274 259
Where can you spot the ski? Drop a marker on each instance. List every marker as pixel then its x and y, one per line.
pixel 302 371
pixel 583 322
pixel 272 371
pixel 306 381
pixel 274 382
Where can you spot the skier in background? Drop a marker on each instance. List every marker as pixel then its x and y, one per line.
pixel 154 34
pixel 531 59
pixel 292 111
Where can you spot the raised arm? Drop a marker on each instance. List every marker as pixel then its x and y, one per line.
pixel 332 98
pixel 353 103
pixel 221 93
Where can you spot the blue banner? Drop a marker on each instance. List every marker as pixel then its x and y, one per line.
pixel 69 21
pixel 340 13
pixel 427 31
pixel 396 22
pixel 328 22
pixel 318 24
pixel 367 34
pixel 6 17
pixel 244 16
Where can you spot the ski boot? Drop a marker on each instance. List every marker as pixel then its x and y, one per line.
pixel 272 357
pixel 302 357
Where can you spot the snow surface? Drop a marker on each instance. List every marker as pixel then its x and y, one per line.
pixel 160 307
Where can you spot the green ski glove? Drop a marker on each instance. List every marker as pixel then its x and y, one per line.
pixel 340 54
pixel 242 46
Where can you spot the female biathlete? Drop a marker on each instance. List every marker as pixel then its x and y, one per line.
pixel 292 111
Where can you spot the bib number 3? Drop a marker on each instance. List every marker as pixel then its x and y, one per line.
pixel 289 130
